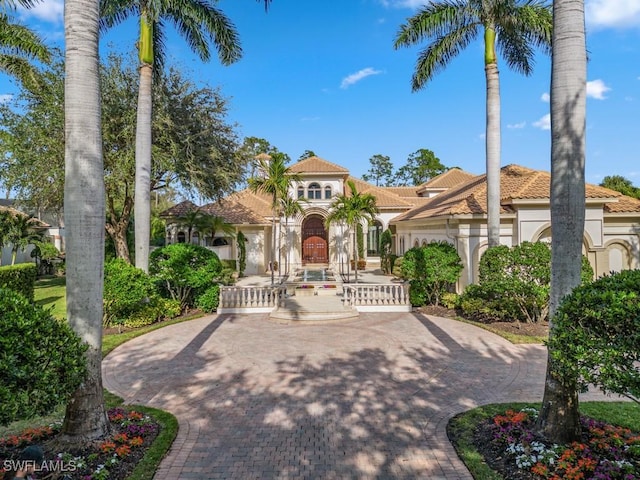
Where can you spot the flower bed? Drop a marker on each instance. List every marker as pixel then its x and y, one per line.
pixel 114 458
pixel 604 452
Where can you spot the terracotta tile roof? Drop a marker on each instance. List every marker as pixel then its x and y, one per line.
pixel 516 182
pixel 384 197
pixel 403 191
pixel 317 165
pixel 449 179
pixel 179 209
pixel 623 205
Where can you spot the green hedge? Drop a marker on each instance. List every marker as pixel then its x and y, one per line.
pixel 230 264
pixel 41 359
pixel 20 278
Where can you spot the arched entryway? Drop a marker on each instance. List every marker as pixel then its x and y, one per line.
pixel 315 247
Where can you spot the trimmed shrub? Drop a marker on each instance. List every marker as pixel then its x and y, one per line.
pixel 184 271
pixel 20 278
pixel 128 291
pixel 229 264
pixel 432 270
pixel 209 300
pixel 41 359
pixel 396 268
pixel 514 284
pixel 386 262
pixel 596 335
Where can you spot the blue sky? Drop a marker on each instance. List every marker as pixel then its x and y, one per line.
pixel 324 76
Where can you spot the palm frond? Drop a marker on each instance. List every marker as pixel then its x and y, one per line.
pixel 114 12
pixel 199 23
pixel 16 39
pixel 439 53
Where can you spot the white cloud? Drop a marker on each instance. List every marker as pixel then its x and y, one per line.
pixel 612 13
pixel 51 11
pixel 517 126
pixel 5 97
pixel 356 77
pixel 544 123
pixel 545 97
pixel 596 89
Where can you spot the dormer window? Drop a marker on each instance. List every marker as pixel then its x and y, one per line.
pixel 327 192
pixel 314 191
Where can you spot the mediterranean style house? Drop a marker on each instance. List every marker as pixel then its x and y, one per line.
pixel 450 207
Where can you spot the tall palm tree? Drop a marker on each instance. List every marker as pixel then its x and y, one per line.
pixel 200 24
pixel 558 420
pixel 353 209
pixel 19 47
pixel 513 27
pixel 84 211
pixel 289 208
pixel 274 179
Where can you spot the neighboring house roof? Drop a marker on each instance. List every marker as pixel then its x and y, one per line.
pixel 516 183
pixel 317 165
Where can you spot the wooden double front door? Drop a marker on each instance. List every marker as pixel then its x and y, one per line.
pixel 315 247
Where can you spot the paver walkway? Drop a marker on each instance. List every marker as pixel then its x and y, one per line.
pixel 353 399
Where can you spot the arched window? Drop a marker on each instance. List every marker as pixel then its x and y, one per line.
pixel 181 237
pixel 424 243
pixel 416 244
pixel 300 191
pixel 327 192
pixel 373 239
pixel 314 191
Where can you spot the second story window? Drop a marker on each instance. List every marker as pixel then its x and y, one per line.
pixel 327 192
pixel 300 192
pixel 314 192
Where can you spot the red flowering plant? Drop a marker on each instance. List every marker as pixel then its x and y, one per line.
pixel 605 452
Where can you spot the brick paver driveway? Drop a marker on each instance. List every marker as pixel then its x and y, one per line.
pixel 361 399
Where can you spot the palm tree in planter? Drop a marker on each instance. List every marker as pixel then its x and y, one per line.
pixel 201 25
pixel 275 180
pixel 289 208
pixel 514 27
pixel 353 209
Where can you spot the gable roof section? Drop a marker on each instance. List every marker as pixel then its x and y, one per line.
pixel 317 165
pixel 516 183
pixel 404 192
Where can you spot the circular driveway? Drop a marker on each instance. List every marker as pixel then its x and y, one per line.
pixel 362 399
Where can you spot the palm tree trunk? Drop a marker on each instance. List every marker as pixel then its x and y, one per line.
pixel 84 196
pixel 142 207
pixel 355 251
pixel 559 419
pixel 492 140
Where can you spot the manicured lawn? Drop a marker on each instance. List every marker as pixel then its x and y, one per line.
pixel 51 292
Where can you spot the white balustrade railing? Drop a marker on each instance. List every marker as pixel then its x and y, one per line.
pixel 249 299
pixel 377 297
